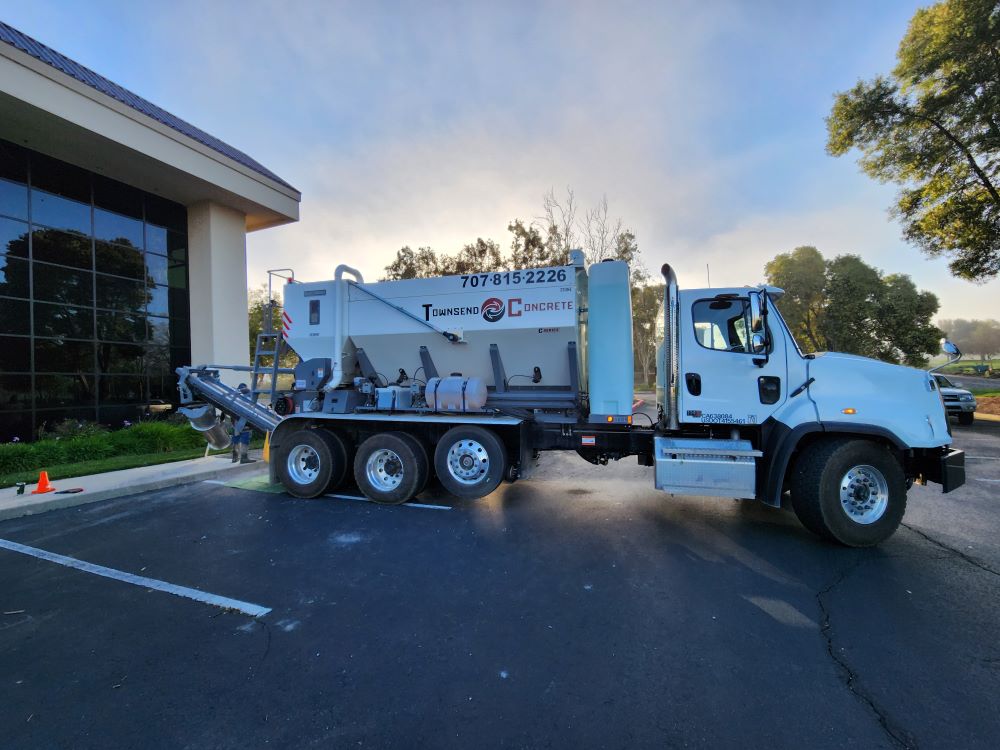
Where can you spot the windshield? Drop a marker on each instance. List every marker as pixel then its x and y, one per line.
pixel 943 381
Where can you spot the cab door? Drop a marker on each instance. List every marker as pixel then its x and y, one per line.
pixel 722 379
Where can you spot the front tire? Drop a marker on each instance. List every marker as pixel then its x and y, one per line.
pixel 390 468
pixel 470 461
pixel 849 491
pixel 311 462
pixel 966 417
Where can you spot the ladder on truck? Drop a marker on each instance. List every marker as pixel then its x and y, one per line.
pixel 270 344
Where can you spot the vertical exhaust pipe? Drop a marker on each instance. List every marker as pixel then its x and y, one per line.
pixel 671 348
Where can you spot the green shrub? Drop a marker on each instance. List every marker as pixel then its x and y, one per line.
pixel 16 457
pixel 68 428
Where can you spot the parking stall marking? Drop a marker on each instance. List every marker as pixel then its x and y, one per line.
pixel 252 610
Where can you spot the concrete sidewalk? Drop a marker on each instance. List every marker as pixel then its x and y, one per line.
pixel 97 487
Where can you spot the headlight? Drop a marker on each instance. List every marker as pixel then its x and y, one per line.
pixel 965 397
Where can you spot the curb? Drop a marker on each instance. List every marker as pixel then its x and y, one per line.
pixel 35 504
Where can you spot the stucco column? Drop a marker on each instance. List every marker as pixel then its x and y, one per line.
pixel 217 276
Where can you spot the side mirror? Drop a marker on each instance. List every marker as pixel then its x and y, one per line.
pixel 758 327
pixel 757 312
pixel 757 343
pixel 950 349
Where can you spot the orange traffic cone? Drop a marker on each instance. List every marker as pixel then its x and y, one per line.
pixel 43 484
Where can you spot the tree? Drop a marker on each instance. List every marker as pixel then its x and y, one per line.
pixel 933 127
pixel 647 306
pixel 846 305
pixel 974 337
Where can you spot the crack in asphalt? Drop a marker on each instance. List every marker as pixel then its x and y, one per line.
pixel 898 736
pixel 953 550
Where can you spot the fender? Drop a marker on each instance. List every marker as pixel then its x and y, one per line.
pixel 781 441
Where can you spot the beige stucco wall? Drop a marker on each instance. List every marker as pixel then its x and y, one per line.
pixel 217 277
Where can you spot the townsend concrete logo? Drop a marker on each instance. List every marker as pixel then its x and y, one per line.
pixel 493 309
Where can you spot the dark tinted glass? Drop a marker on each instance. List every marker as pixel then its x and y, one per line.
pixel 64 285
pixel 120 294
pixel 120 260
pixel 121 416
pixel 165 213
pixel 15 426
pixel 13 277
pixel 163 388
pixel 61 320
pixel 59 355
pixel 180 332
pixel 159 330
pixel 122 389
pixel 14 316
pixel 13 181
pixel 158 361
pixel 166 242
pixel 117 228
pixel 62 248
pixel 129 327
pixel 49 418
pixel 158 302
pixel 56 211
pixel 15 392
pixel 179 306
pixel 181 357
pixel 177 247
pixel 13 238
pixel 15 354
pixel 121 357
pixel 122 199
pixel 156 266
pixel 63 390
pixel 177 275
pixel 59 178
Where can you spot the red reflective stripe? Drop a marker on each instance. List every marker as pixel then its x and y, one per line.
pixel 285 316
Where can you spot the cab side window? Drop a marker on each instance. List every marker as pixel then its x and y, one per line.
pixel 721 324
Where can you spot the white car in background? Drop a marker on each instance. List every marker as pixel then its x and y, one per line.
pixel 958 402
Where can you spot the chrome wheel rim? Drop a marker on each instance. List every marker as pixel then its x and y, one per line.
pixel 468 461
pixel 303 464
pixel 864 494
pixel 384 470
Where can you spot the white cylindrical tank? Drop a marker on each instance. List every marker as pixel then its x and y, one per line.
pixel 609 343
pixel 456 393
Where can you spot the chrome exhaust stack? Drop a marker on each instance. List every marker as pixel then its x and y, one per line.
pixel 670 359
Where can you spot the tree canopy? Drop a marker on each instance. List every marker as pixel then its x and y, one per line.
pixel 980 338
pixel 933 127
pixel 845 305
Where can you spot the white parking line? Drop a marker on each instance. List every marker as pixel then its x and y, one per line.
pixel 426 506
pixel 253 610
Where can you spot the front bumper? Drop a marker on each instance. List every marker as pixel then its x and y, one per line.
pixel 945 467
pixel 959 407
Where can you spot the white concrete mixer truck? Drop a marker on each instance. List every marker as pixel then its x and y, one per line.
pixel 470 377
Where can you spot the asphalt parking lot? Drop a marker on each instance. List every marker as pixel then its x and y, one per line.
pixel 578 609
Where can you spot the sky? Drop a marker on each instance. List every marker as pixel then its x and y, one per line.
pixel 432 124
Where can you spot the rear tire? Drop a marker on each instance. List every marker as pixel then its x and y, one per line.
pixel 849 491
pixel 966 417
pixel 311 462
pixel 470 461
pixel 390 468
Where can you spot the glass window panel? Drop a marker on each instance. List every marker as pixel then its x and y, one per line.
pixel 117 197
pixel 180 357
pixel 62 320
pixel 63 390
pixel 158 302
pixel 156 239
pixel 114 227
pixel 117 417
pixel 15 316
pixel 15 392
pixel 13 238
pixel 15 354
pixel 121 357
pixel 13 277
pixel 122 389
pixel 63 285
pixel 163 388
pixel 120 260
pixel 177 246
pixel 59 178
pixel 159 330
pixel 56 211
pixel 177 275
pixel 166 213
pixel 180 332
pixel 15 426
pixel 121 326
pixel 60 355
pixel 13 181
pixel 120 294
pixel 62 248
pixel 158 361
pixel 156 266
pixel 179 306
pixel 49 418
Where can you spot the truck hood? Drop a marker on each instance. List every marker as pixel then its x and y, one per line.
pixel 896 399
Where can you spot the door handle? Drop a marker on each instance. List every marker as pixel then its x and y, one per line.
pixel 693 382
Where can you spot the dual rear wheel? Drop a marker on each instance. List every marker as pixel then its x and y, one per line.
pixel 393 467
